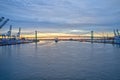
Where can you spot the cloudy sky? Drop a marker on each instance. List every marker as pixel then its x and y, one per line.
pixel 62 15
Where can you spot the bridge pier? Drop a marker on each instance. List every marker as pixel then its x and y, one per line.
pixel 92 36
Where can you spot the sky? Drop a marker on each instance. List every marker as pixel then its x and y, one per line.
pixel 62 16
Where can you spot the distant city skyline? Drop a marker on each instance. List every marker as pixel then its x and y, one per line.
pixel 61 16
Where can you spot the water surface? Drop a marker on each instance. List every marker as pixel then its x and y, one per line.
pixel 60 61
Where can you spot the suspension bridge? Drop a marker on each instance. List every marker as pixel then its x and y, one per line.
pixel 90 36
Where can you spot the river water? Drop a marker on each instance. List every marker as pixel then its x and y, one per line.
pixel 69 60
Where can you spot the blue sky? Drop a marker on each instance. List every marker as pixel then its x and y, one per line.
pixel 62 15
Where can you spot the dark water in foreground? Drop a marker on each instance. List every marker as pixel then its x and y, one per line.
pixel 61 61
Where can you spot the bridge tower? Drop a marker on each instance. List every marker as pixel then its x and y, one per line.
pixel 36 36
pixel 92 36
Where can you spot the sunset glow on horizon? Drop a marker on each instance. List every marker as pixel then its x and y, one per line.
pixel 64 35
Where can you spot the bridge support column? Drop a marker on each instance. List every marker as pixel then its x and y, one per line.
pixel 92 36
pixel 36 35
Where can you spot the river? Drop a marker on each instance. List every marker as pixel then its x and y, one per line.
pixel 65 60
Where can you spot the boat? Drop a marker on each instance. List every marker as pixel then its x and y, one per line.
pixel 56 40
pixel 13 41
pixel 116 37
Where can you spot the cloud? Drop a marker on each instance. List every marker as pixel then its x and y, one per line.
pixel 62 13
